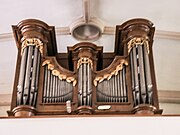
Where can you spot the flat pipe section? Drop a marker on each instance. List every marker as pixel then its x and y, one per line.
pixel 56 90
pixel 99 95
pixel 103 94
pixel 108 90
pixel 59 91
pixel 20 87
pixel 148 74
pixel 113 90
pixel 121 87
pixel 48 86
pixel 118 87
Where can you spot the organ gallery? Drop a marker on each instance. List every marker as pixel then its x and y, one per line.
pixel 84 80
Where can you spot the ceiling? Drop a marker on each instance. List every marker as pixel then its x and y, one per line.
pixel 61 13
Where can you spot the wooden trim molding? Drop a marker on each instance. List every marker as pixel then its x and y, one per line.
pixel 167 34
pixel 5 99
pixel 165 96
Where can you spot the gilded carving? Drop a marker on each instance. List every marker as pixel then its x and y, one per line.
pixel 138 41
pixel 32 42
pixel 57 73
pixel 109 75
pixel 84 60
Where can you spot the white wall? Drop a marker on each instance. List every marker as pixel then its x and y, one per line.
pixel 91 126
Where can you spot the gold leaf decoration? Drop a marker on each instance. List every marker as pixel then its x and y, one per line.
pixel 138 41
pixel 84 60
pixel 32 42
pixel 109 75
pixel 45 62
pixel 57 73
pixel 74 83
pixel 50 66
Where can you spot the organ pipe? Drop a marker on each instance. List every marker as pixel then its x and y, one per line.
pixel 57 87
pixel 113 89
pixel 84 81
pixel 141 75
pixel 29 72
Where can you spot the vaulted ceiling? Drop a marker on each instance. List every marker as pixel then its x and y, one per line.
pixel 61 13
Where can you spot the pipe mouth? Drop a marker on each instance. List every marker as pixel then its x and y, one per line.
pixel 86 31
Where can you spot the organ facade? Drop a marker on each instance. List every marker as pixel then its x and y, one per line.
pixel 85 80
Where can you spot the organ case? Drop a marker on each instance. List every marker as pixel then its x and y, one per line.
pixel 85 80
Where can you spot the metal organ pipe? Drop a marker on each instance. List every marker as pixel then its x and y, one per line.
pixel 20 87
pixel 140 72
pixel 121 87
pixel 113 88
pixel 56 89
pixel 45 83
pixel 35 76
pixel 29 75
pixel 133 77
pixel 89 85
pixel 136 75
pixel 148 75
pixel 85 82
pixel 118 87
pixel 80 86
pixel 124 84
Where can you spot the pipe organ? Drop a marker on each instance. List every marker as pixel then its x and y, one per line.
pixel 85 80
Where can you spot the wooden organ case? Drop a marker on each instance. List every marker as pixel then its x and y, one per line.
pixel 84 80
